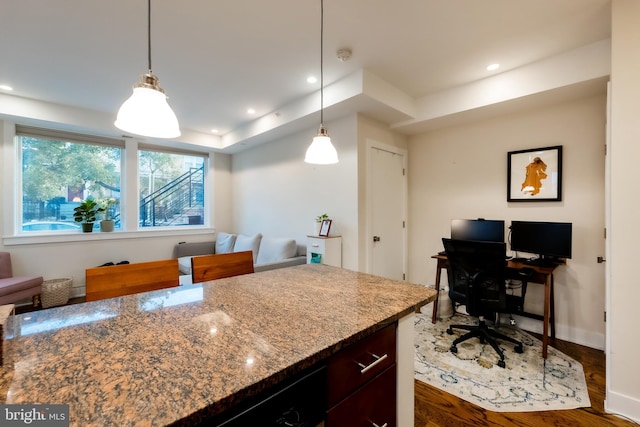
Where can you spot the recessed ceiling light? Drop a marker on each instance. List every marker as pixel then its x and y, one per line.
pixel 214 131
pixel 311 79
pixel 6 87
pixel 251 111
pixel 493 67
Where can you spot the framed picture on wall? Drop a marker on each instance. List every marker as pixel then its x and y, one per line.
pixel 324 228
pixel 535 175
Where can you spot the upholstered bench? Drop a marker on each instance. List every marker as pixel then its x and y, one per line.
pixel 13 289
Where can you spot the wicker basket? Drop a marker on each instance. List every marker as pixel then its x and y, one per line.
pixel 55 292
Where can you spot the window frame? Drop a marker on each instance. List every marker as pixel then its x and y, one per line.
pixel 205 160
pixel 129 208
pixel 60 136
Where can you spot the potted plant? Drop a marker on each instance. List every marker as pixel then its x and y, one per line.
pixel 108 207
pixel 86 212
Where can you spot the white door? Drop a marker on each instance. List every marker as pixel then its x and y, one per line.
pixel 387 200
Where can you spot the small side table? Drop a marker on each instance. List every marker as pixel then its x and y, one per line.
pixel 326 250
pixel 55 292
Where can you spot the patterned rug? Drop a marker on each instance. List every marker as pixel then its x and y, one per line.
pixel 526 384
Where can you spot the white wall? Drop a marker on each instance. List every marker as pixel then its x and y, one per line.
pixel 460 172
pixel 222 218
pixel 623 316
pixel 275 193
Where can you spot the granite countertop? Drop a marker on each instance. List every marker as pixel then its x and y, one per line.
pixel 179 354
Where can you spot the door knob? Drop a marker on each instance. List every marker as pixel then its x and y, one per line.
pixel 601 260
pixel 376 238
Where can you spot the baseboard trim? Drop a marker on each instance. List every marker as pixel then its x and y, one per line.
pixel 623 406
pixel 574 335
pixel 566 333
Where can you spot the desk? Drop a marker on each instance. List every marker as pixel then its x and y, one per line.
pixel 542 275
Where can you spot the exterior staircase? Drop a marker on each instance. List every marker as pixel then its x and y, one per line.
pixel 179 202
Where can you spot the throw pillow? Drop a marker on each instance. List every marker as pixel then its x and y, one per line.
pixel 248 243
pixel 225 242
pixel 274 249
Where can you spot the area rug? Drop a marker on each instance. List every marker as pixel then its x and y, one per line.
pixel 527 383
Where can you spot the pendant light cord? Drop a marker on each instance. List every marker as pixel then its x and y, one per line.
pixel 149 33
pixel 321 63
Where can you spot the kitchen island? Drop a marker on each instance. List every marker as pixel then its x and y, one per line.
pixel 184 355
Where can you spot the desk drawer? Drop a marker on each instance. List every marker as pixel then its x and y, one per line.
pixel 355 365
pixel 373 403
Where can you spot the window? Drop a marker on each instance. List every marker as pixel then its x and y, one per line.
pixel 171 189
pixel 59 170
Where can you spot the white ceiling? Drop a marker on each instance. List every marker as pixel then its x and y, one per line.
pixel 215 59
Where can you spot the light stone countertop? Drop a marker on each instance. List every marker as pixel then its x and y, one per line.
pixel 182 354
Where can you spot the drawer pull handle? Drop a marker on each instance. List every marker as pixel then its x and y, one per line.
pixel 376 425
pixel 315 245
pixel 375 362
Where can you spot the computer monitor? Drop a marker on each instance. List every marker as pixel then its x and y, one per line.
pixel 485 230
pixel 548 240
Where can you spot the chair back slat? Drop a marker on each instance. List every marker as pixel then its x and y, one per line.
pixel 126 279
pixel 219 266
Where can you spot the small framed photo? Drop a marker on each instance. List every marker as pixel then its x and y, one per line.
pixel 535 175
pixel 324 228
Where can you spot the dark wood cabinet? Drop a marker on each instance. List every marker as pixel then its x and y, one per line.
pixel 361 382
pixel 355 387
pixel 372 405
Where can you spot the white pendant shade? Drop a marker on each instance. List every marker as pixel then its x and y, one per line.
pixel 147 113
pixel 321 151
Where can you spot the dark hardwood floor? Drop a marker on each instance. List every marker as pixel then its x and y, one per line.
pixel 435 408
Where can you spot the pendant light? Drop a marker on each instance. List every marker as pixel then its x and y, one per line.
pixel 147 112
pixel 321 151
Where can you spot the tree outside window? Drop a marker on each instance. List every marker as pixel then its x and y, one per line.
pixel 57 175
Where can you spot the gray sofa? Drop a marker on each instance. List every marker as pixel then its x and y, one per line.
pixel 268 252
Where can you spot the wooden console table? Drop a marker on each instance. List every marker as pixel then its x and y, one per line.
pixel 541 275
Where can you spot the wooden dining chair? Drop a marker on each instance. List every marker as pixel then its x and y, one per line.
pixel 126 279
pixel 219 266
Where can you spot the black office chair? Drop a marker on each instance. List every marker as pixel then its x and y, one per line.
pixel 477 280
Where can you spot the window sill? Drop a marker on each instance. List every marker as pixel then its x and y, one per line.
pixel 28 239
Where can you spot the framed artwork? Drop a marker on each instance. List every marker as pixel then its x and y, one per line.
pixel 535 175
pixel 324 228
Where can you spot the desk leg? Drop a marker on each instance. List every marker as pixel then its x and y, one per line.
pixel 545 326
pixel 434 316
pixel 552 315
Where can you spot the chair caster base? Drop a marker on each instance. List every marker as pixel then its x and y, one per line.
pixel 454 349
pixel 450 331
pixel 501 363
pixel 518 349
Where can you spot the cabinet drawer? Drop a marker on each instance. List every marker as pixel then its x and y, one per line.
pixel 373 403
pixel 357 364
pixel 317 246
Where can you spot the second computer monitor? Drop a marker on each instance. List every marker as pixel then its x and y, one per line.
pixel 478 229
